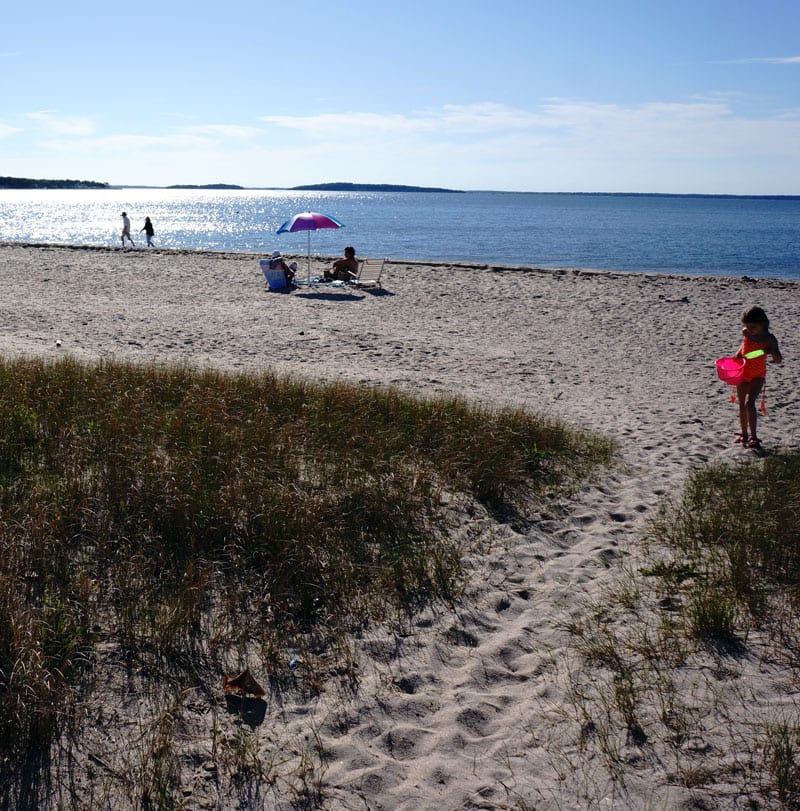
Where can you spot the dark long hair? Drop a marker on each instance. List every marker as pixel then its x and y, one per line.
pixel 755 315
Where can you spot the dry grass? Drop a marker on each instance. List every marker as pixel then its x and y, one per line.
pixel 183 519
pixel 662 663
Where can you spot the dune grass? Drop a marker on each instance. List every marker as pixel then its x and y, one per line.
pixel 720 589
pixel 186 518
pixel 736 542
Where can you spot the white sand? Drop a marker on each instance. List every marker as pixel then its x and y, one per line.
pixel 490 722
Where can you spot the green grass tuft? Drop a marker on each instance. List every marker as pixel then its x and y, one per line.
pixel 739 527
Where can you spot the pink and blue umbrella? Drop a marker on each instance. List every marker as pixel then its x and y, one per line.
pixel 309 221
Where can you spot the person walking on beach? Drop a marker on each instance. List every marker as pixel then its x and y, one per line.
pixel 757 343
pixel 126 230
pixel 148 231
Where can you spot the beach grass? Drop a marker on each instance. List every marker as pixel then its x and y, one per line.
pixel 736 534
pixel 183 524
pixel 720 588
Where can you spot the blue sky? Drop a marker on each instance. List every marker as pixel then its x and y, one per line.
pixel 687 96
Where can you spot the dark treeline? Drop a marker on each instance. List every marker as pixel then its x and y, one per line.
pixel 33 183
pixel 369 187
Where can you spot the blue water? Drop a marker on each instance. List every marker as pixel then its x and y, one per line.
pixel 694 235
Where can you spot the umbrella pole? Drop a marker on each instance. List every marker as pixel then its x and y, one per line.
pixel 308 254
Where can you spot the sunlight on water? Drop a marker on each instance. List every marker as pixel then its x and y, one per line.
pixel 729 236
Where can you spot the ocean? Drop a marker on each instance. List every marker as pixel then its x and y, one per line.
pixel 729 236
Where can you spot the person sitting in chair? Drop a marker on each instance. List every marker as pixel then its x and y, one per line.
pixel 344 269
pixel 278 262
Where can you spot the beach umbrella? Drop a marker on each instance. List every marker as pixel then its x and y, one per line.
pixel 309 221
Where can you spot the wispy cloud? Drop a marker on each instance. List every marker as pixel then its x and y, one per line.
pixel 764 60
pixel 69 125
pixel 556 145
pixel 343 126
pixel 558 123
pixel 124 143
pixel 6 130
pixel 559 144
pixel 450 120
pixel 201 137
pixel 232 131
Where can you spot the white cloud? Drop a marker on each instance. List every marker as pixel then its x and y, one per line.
pixel 554 118
pixel 7 130
pixel 767 60
pixel 202 137
pixel 232 131
pixel 655 129
pixel 781 60
pixel 698 145
pixel 341 126
pixel 126 144
pixel 71 125
pixel 451 119
pixel 562 145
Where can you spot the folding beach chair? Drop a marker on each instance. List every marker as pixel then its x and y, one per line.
pixel 369 273
pixel 275 277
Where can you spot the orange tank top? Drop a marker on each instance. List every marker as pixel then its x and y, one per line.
pixel 754 367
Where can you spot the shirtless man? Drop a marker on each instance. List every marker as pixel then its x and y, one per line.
pixel 344 269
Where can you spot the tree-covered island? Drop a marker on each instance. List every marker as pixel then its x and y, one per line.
pixel 370 187
pixel 39 183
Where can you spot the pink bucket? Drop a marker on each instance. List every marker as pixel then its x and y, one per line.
pixel 731 370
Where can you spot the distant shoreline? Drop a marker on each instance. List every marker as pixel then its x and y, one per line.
pixel 208 187
pixel 22 184
pixel 385 187
pixel 42 183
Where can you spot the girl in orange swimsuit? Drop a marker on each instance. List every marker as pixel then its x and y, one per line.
pixel 756 338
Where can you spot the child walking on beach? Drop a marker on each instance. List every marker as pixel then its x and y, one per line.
pixel 757 343
pixel 149 231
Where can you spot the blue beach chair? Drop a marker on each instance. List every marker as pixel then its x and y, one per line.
pixel 275 277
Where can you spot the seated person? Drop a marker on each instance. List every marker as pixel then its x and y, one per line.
pixel 277 261
pixel 344 269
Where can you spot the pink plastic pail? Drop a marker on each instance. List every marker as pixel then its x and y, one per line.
pixel 731 370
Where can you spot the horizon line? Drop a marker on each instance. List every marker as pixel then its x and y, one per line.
pixel 207 187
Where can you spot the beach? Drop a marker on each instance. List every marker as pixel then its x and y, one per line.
pixel 487 721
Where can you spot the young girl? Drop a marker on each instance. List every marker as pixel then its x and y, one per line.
pixel 149 231
pixel 759 340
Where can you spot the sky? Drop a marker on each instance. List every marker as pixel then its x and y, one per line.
pixel 686 96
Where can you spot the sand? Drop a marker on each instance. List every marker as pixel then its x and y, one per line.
pixel 475 708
